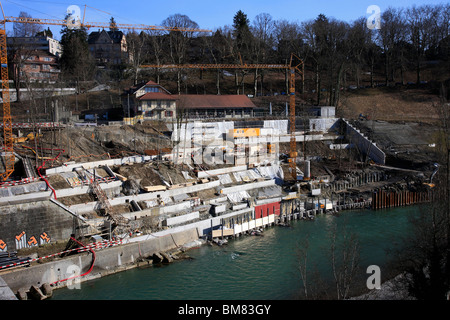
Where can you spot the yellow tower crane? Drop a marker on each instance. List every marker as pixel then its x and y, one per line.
pixel 297 67
pixel 70 22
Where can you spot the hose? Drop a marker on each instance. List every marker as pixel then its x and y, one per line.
pixel 43 163
pixel 80 275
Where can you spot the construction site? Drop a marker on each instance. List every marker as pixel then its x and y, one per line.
pixel 109 196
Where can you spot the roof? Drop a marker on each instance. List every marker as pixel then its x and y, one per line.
pixel 157 96
pixel 141 85
pixel 211 101
pixel 115 36
pixel 152 83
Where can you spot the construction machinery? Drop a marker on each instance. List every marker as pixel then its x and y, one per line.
pixel 295 66
pixel 71 22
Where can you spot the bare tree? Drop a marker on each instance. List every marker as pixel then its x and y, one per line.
pixel 391 34
pixel 220 47
pixel 26 29
pixel 289 40
pixel 421 31
pixel 425 254
pixel 179 40
pixel 156 50
pixel 136 44
pixel 345 260
pixel 263 28
pixel 18 51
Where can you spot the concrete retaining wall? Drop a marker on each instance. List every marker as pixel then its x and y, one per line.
pixel 248 186
pixel 33 223
pixel 182 219
pixel 107 261
pixel 86 207
pixel 365 146
pixel 95 164
pixel 111 188
pixel 205 174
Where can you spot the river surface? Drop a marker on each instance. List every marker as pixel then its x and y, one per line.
pixel 254 267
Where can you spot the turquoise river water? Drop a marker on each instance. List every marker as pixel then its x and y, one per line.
pixel 253 267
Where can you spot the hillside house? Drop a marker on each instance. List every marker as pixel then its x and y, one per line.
pixel 151 100
pixel 34 59
pixel 108 47
pixel 154 102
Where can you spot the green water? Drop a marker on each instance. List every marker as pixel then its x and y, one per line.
pixel 253 267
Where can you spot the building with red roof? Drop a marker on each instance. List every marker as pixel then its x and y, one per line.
pixel 154 102
pixel 215 106
pixel 151 100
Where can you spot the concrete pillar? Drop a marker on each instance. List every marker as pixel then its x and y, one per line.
pixel 307 169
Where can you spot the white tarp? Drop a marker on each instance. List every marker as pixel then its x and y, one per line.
pixel 186 175
pixel 236 197
pixel 200 130
pixel 271 172
pixel 279 126
pixel 225 178
pixel 248 175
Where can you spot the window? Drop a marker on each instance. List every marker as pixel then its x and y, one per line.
pixel 149 113
pixel 151 89
pixel 169 114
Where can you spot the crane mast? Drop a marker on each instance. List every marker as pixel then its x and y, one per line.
pixel 7 122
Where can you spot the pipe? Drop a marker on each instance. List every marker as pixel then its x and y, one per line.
pixel 80 275
pixel 43 163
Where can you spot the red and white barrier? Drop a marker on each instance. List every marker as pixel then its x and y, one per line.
pixel 93 246
pixel 35 125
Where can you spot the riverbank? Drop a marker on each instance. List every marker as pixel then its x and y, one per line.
pixel 95 262
pixel 256 267
pixel 171 245
pixel 393 289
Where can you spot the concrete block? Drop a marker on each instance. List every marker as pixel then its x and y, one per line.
pixel 36 293
pixel 47 290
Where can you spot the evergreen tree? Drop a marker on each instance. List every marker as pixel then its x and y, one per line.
pixel 242 34
pixel 113 25
pixel 76 62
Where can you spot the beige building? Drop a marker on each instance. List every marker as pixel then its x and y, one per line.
pixel 150 100
pixel 154 102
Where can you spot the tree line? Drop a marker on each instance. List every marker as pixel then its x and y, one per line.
pixel 335 53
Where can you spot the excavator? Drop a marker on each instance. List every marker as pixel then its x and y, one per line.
pixel 29 137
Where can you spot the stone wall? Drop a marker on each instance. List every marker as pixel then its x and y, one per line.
pixel 365 146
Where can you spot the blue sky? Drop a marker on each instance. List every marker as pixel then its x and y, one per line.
pixel 209 14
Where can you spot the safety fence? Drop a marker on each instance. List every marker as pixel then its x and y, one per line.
pixel 94 246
